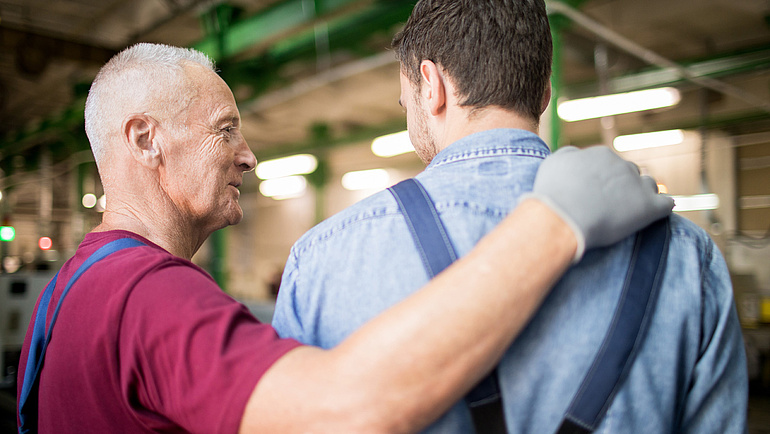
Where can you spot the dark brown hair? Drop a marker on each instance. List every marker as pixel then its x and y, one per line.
pixel 496 52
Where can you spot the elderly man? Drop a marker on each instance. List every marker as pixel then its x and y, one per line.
pixel 474 81
pixel 146 342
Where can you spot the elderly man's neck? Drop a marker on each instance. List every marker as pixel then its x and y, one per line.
pixel 178 238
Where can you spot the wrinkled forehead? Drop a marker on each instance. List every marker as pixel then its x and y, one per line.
pixel 208 95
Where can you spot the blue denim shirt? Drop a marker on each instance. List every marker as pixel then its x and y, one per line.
pixel 689 376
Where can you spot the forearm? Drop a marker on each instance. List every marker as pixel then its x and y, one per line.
pixel 437 344
pixel 407 366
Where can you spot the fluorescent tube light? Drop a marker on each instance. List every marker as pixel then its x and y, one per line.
pixel 392 144
pixel 635 142
pixel 283 188
pixel 610 105
pixel 366 180
pixel 288 166
pixel 698 202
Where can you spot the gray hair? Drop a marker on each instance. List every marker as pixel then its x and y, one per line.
pixel 144 77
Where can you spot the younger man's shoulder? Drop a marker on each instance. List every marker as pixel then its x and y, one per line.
pixel 376 206
pixel 684 229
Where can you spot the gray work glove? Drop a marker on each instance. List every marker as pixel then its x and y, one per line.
pixel 601 196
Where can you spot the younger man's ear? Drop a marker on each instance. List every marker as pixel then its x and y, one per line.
pixel 434 88
pixel 139 136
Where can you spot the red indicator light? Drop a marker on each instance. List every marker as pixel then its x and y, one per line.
pixel 45 243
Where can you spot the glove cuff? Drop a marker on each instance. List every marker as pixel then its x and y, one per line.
pixel 579 235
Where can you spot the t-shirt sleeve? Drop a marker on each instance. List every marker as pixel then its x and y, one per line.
pixel 190 354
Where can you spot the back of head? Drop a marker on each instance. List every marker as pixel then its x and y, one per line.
pixel 496 52
pixel 144 78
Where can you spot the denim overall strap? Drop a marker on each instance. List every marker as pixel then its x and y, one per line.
pixel 28 403
pixel 626 333
pixel 428 232
pixel 437 253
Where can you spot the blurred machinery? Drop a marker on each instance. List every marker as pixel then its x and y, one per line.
pixel 18 295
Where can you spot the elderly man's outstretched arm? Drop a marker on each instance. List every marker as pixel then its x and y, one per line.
pixel 406 367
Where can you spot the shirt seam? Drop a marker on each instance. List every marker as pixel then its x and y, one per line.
pixel 443 206
pixel 489 152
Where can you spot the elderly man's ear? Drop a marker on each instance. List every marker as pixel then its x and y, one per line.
pixel 141 139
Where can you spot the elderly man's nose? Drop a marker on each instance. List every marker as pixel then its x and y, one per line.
pixel 246 159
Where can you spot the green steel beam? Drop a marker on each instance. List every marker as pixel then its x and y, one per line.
pixel 557 81
pixel 350 32
pixel 559 24
pixel 275 21
pixel 723 122
pixel 558 19
pixel 715 67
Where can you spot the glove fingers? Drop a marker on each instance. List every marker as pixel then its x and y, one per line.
pixel 664 204
pixel 649 183
pixel 635 168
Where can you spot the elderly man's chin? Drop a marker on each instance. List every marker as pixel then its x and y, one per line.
pixel 230 215
pixel 235 214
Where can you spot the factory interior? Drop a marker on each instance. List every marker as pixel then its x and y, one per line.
pixel 317 88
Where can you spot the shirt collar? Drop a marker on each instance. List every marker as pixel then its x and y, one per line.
pixel 492 141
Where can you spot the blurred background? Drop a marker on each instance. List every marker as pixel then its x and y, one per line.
pixel 689 82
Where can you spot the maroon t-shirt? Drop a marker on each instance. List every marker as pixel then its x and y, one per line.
pixel 147 342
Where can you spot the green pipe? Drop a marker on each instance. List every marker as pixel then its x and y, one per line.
pixel 715 67
pixel 218 267
pixel 271 23
pixel 723 122
pixel 557 26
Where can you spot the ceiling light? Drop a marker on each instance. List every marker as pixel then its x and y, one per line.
pixel 392 144
pixel 288 166
pixel 610 105
pixel 89 200
pixel 698 202
pixel 657 139
pixel 283 188
pixel 366 180
pixel 101 204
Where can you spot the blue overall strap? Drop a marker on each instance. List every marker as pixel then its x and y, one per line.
pixel 28 404
pixel 437 253
pixel 626 333
pixel 428 232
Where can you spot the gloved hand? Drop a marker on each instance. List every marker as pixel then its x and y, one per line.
pixel 601 196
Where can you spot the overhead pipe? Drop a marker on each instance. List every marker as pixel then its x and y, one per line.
pixel 651 57
pixel 714 67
